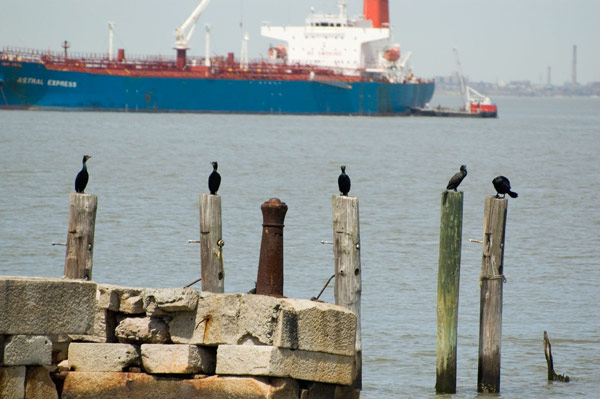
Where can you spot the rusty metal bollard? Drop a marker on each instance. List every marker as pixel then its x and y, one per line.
pixel 270 264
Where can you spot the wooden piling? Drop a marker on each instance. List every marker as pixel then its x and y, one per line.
pixel 211 244
pixel 346 252
pixel 448 289
pixel 80 236
pixel 491 282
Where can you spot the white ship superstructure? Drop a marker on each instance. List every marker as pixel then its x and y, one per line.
pixel 336 41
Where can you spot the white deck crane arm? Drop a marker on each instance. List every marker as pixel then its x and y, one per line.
pixel 461 79
pixel 183 35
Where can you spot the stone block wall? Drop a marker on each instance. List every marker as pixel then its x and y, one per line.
pixel 75 339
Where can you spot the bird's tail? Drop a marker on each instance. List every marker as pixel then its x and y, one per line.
pixel 512 194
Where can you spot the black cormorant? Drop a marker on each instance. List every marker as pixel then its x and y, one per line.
pixel 457 178
pixel 344 181
pixel 82 177
pixel 502 186
pixel 214 180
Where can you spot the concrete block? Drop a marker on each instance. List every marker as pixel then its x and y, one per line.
pixel 258 319
pixel 105 322
pixel 107 297
pixel 23 350
pixel 279 362
pixel 166 300
pixel 102 357
pixel 41 306
pixel 178 359
pixel 39 385
pixel 120 299
pixel 87 385
pixel 131 304
pixel 228 319
pixel 214 322
pixel 137 330
pixel 12 382
pixel 263 320
pixel 315 327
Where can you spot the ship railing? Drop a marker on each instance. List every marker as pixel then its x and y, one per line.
pixel 20 54
pixel 90 60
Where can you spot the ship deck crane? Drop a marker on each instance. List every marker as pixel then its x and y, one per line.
pixel 470 95
pixel 463 90
pixel 182 33
pixel 475 102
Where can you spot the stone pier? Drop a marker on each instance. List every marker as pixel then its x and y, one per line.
pixel 72 339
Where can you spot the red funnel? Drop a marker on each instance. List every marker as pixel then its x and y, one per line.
pixel 377 11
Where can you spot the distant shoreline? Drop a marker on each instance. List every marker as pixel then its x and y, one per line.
pixel 450 86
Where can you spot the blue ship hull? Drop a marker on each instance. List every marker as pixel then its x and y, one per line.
pixel 31 85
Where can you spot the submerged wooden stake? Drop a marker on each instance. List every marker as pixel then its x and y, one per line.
pixel 80 236
pixel 346 252
pixel 211 244
pixel 552 376
pixel 447 294
pixel 491 282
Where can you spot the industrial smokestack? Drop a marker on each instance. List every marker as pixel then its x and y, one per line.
pixel 574 67
pixel 377 11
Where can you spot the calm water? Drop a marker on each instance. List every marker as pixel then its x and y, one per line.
pixel 148 169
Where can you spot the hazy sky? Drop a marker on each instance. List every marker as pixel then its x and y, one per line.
pixel 497 40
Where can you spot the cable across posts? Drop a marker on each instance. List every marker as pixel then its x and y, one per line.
pixel 491 282
pixel 448 288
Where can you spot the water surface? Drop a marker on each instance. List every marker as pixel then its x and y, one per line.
pixel 148 170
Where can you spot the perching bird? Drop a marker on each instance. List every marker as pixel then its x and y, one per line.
pixel 502 186
pixel 214 180
pixel 344 181
pixel 457 178
pixel 82 177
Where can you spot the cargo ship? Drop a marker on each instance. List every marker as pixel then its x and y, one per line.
pixel 332 65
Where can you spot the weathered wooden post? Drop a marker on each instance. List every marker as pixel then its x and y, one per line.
pixel 447 294
pixel 491 282
pixel 346 253
pixel 270 263
pixel 80 236
pixel 211 243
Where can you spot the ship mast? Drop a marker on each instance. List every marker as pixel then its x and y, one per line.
pixel 111 36
pixel 343 9
pixel 66 45
pixel 207 47
pixel 244 53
